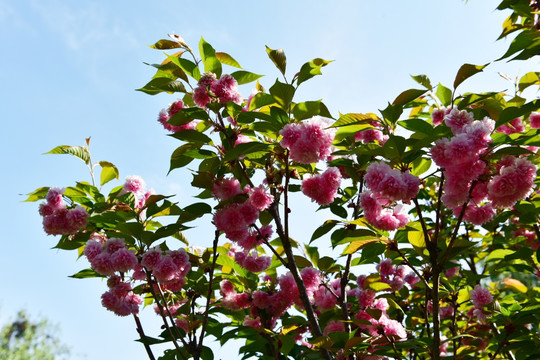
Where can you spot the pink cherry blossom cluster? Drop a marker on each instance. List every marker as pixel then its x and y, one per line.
pixel 309 141
pixel 251 261
pixel 120 298
pixel 535 120
pixel 480 297
pixel 322 188
pixel 395 276
pixel 438 115
pixel 168 267
pixel 210 89
pixel 386 187
pixel 137 186
pixel 110 256
pixel 514 182
pixel 371 135
pixel 166 114
pixel 391 184
pixel 461 159
pixel 57 218
pixel 513 127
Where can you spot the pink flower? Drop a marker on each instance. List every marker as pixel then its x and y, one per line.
pixel 135 184
pixel 260 199
pixel 333 326
pixel 252 261
pixel 226 89
pixel 438 115
pixel 311 278
pixel 92 249
pixel 309 141
pixel 535 120
pixel 121 300
pixel 513 127
pixel 151 258
pixel 322 188
pixel 226 188
pixel 457 119
pixel 124 260
pixel 480 296
pixel 55 199
pixel 514 182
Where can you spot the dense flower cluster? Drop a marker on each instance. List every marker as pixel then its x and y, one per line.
pixel 387 186
pixel 169 268
pixel 120 298
pixel 309 141
pixel 57 218
pixel 166 114
pixel 211 89
pixel 372 134
pixel 322 188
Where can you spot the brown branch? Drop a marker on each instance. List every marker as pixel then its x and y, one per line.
pixel 142 335
pixel 209 293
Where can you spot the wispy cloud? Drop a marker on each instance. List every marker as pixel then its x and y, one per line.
pixel 80 24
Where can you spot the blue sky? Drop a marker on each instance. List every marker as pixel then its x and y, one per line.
pixel 68 71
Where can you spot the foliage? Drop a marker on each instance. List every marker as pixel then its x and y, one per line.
pixel 438 193
pixel 25 339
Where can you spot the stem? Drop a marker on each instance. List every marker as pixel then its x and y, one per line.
pixel 436 319
pixel 209 294
pixel 141 334
pixel 312 318
pixel 438 213
pixel 343 298
pixel 164 317
pixel 460 218
pixel 422 221
pixel 398 356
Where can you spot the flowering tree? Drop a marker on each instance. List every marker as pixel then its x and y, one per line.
pixel 438 193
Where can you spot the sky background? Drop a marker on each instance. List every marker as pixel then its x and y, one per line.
pixel 68 70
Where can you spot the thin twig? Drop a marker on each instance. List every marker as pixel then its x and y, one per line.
pixel 143 336
pixel 209 294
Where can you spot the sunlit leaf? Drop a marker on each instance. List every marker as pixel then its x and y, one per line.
pixel 227 59
pixel 78 151
pixel 278 58
pixel 466 71
pixel 108 172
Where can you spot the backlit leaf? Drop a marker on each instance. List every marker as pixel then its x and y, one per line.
pixel 278 58
pixel 466 71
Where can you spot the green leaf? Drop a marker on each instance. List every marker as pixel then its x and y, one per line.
pixel 310 69
pixel 209 58
pixel 178 159
pixel 529 79
pixel 511 112
pixel 527 44
pixel 78 151
pixel 308 109
pixel 407 96
pixel 323 229
pixel 227 59
pixel 245 149
pixel 157 85
pixel 499 254
pixel 355 119
pixel 423 80
pixel 261 99
pixel 278 58
pixel 392 112
pixel 165 44
pixel 108 172
pixel 186 115
pixel 420 166
pixel 188 66
pixel 86 273
pixel 192 136
pixel 359 244
pixel 444 94
pixel 466 71
pixel 282 93
pixel 417 125
pixel 245 77
pixel 38 194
